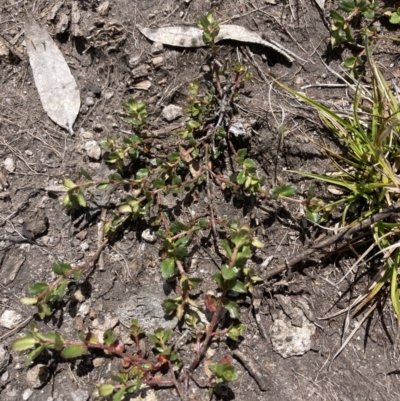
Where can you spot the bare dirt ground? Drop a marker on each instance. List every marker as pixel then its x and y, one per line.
pixel 104 62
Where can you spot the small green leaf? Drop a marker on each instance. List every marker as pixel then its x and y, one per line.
pixel 103 186
pixel 29 301
pixel 226 247
pixel 86 174
pixel 61 268
pixel 23 344
pixel 44 310
pixel 174 157
pixel 395 18
pixel 238 286
pixel 37 288
pixel 142 173
pixel 286 190
pixel 62 289
pixel 249 165
pixel 34 354
pixel 167 267
pixel 217 277
pixel 109 337
pixel 241 178
pixel 347 6
pixel 158 183
pixel 228 273
pixel 68 184
pixel 106 389
pixel 369 14
pixel 59 342
pixel 73 351
pixel 119 394
pixel 232 308
pixel 80 199
pixel 203 224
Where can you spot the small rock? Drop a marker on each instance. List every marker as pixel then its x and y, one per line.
pixel 108 95
pixel 4 377
pixel 157 61
pixel 93 150
pixel 205 68
pixel 288 340
pixel 237 129
pixel 172 112
pixel 89 101
pixel 78 296
pixel 143 85
pixel 36 225
pixel 11 265
pixel 4 357
pixel 37 376
pixel 27 393
pixel 156 48
pixel 140 72
pixel 148 236
pixel 105 322
pixel 28 152
pixel 103 8
pixel 97 362
pixel 9 164
pixel 84 309
pixel 87 135
pixel 84 246
pixel 10 319
pixel 80 395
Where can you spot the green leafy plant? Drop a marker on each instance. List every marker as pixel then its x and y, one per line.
pixel 145 178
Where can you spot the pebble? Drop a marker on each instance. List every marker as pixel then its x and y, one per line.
pixel 93 150
pixel 84 246
pixel 89 101
pixel 10 319
pixel 108 95
pixel 172 112
pixel 143 85
pixel 149 236
pixel 9 164
pixel 38 375
pixel 28 152
pixel 27 393
pixel 156 48
pixel 87 135
pixel 157 61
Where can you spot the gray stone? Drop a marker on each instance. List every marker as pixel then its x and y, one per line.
pixel 9 164
pixel 172 112
pixel 146 306
pixel 89 101
pixel 27 393
pixel 37 376
pixel 156 48
pixel 10 319
pixel 149 236
pixel 288 340
pixel 93 150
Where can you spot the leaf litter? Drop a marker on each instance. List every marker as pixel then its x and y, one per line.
pixel 189 36
pixel 57 88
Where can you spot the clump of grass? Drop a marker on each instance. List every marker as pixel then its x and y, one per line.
pixel 367 172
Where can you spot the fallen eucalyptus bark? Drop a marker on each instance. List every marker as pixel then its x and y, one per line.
pixel 189 37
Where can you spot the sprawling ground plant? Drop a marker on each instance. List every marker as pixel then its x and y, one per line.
pixel 148 178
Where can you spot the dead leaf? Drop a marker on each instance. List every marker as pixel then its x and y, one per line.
pixel 188 36
pixel 57 87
